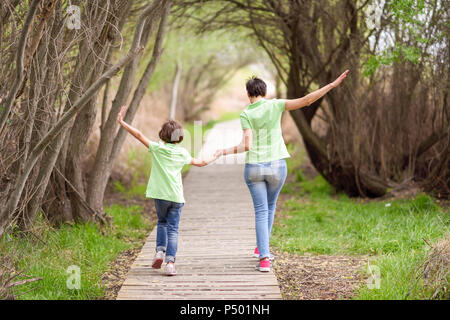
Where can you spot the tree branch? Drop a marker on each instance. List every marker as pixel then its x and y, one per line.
pixel 20 70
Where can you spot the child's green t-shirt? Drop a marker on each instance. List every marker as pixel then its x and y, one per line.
pixel 264 118
pixel 165 178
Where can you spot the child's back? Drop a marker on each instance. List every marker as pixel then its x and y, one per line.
pixel 165 186
pixel 165 179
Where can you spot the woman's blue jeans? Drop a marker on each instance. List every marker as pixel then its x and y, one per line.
pixel 168 213
pixel 265 181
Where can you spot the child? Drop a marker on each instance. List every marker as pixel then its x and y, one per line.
pixel 165 186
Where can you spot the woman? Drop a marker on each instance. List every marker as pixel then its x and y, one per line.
pixel 265 168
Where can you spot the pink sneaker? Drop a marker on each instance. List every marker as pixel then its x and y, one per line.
pixel 263 265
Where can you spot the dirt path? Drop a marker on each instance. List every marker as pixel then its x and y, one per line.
pixel 318 277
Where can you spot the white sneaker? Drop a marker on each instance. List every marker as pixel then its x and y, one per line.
pixel 158 260
pixel 170 269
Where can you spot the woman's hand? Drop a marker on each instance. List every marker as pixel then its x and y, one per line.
pixel 121 114
pixel 339 80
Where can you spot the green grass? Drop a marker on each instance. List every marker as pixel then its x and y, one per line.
pixel 83 245
pixel 317 220
pixel 398 277
pixel 135 190
pixel 322 224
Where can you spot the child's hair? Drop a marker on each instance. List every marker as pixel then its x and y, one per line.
pixel 256 87
pixel 171 132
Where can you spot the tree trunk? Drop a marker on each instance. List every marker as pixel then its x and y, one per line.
pixel 345 178
pixel 11 206
pixel 174 96
pixel 104 158
pixel 20 67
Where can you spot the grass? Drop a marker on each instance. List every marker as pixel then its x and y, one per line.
pixel 85 245
pixel 318 220
pixel 135 190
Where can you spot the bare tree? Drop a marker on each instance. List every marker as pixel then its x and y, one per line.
pixel 55 102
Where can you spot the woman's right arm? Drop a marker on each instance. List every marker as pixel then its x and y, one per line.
pixel 244 146
pixel 135 132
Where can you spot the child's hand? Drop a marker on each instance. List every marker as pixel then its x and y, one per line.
pixel 218 153
pixel 121 114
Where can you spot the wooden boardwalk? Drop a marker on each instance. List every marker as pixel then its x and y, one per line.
pixel 216 239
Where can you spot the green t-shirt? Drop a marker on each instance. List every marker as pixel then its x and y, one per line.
pixel 264 118
pixel 165 181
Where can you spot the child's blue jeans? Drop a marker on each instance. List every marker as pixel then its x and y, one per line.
pixel 265 181
pixel 168 213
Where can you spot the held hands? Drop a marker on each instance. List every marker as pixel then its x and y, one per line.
pixel 339 80
pixel 205 162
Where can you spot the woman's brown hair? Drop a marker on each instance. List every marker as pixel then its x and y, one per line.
pixel 171 132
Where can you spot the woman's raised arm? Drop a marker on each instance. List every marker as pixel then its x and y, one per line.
pixel 293 104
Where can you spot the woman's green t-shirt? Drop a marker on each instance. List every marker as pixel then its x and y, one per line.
pixel 264 118
pixel 165 178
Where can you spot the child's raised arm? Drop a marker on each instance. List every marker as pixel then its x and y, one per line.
pixel 135 132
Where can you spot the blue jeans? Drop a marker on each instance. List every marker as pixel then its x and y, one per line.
pixel 168 213
pixel 265 181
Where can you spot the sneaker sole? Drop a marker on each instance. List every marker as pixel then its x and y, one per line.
pixel 157 264
pixel 257 268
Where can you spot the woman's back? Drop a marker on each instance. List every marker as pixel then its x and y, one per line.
pixel 264 118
